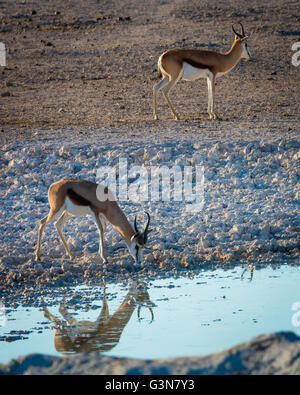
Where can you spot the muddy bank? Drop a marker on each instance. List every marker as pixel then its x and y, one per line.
pixel 271 354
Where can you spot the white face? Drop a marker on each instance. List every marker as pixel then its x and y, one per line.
pixel 136 251
pixel 245 53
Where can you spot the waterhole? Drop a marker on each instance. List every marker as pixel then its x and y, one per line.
pixel 162 318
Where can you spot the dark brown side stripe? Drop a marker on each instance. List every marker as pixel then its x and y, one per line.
pixel 77 199
pixel 195 64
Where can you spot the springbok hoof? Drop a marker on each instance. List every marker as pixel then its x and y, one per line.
pixel 214 117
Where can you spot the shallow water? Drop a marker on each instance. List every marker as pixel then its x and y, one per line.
pixel 212 311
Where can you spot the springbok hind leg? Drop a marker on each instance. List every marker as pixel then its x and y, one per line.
pixel 50 217
pixel 174 79
pixel 211 97
pixel 166 95
pixel 104 314
pixel 160 85
pixel 59 226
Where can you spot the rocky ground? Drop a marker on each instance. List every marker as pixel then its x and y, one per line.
pixel 249 215
pixel 94 63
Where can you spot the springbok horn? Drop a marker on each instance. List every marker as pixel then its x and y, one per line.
pixel 135 225
pixel 139 313
pixel 146 229
pixel 237 34
pixel 243 31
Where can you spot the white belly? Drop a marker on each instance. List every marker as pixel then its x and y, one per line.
pixel 74 209
pixel 190 73
pixel 220 74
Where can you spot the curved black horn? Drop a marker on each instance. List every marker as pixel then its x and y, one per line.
pixel 135 225
pixel 139 312
pixel 243 31
pixel 146 229
pixel 236 33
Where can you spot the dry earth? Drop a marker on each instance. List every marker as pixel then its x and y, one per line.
pixel 93 63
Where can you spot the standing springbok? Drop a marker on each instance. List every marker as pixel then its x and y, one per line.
pixel 192 64
pixel 71 197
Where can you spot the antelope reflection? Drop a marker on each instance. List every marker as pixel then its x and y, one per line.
pixel 105 332
pixel 251 268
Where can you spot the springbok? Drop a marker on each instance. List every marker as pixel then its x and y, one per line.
pixel 105 332
pixel 192 64
pixel 71 197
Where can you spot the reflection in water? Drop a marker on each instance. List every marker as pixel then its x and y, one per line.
pixel 103 334
pixel 251 268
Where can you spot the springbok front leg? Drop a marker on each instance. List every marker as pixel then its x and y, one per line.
pixel 208 96
pixel 100 223
pixel 38 248
pixel 165 85
pixel 211 96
